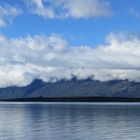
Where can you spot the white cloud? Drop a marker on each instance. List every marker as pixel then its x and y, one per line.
pixel 38 7
pixel 70 8
pixel 51 58
pixel 7 13
pixel 134 12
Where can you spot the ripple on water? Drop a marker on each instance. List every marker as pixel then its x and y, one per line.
pixel 75 121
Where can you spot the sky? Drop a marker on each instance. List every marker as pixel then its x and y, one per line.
pixel 56 39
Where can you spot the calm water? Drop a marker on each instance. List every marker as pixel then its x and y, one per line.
pixel 56 121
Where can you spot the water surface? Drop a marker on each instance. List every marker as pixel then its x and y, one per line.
pixel 69 121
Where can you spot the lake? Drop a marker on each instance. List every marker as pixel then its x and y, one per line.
pixel 69 121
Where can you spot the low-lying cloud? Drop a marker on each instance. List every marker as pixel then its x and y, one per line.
pixel 51 58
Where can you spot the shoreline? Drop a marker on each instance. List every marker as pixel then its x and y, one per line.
pixel 72 99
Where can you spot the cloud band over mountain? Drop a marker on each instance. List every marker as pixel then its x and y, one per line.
pixel 51 58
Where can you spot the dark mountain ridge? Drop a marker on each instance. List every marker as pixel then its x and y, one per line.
pixel 73 88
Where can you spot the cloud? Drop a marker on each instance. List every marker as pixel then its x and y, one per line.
pixel 69 8
pixel 7 13
pixel 51 58
pixel 133 12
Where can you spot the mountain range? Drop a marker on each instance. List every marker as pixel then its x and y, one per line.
pixel 73 88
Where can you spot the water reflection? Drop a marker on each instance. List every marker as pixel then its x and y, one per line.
pixel 69 121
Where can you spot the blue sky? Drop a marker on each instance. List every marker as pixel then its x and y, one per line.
pixel 56 39
pixel 86 31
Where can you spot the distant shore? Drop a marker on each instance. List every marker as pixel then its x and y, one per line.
pixel 73 99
